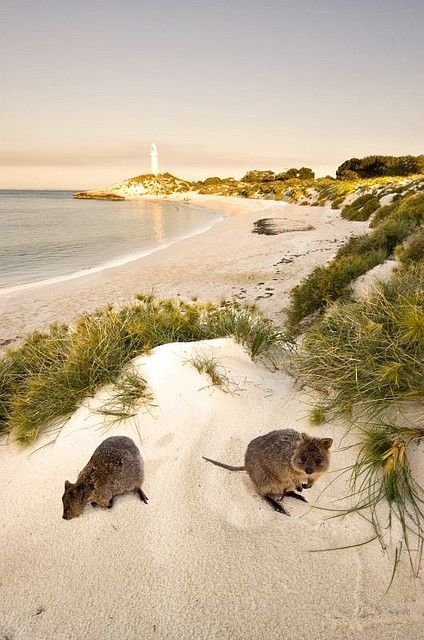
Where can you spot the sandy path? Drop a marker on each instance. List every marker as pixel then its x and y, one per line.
pixel 226 261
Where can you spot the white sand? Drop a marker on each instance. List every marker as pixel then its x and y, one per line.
pixel 226 261
pixel 206 558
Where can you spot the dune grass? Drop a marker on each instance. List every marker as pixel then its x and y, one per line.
pixel 361 208
pixel 413 249
pixel 317 415
pixel 370 352
pixel 369 357
pixel 130 391
pixel 43 381
pixel 384 489
pixel 356 257
pixel 212 368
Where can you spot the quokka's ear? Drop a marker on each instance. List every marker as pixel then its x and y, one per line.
pixel 305 437
pixel 326 442
pixel 68 485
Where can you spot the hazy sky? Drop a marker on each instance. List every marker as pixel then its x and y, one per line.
pixel 220 86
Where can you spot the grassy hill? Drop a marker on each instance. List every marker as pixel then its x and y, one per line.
pixel 163 184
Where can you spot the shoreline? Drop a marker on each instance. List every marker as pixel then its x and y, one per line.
pixel 113 263
pixel 227 261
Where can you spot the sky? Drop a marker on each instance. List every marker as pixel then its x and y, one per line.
pixel 220 86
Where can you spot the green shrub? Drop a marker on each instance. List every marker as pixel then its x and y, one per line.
pixel 347 174
pixel 373 166
pixel 382 214
pixel 413 249
pixel 326 284
pixel 361 208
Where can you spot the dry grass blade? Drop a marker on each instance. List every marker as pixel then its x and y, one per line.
pixel 212 368
pixel 383 486
pixel 130 393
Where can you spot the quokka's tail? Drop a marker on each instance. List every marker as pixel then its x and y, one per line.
pixel 224 466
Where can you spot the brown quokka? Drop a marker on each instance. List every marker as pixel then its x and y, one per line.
pixel 283 461
pixel 116 467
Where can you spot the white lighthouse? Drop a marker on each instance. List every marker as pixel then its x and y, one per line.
pixel 154 159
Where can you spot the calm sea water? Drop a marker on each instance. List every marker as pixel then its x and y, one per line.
pixel 48 235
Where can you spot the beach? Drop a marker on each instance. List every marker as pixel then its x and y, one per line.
pixel 225 262
pixel 206 558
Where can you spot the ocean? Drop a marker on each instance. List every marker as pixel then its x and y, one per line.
pixel 47 236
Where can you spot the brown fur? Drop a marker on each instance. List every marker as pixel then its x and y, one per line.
pixel 116 467
pixel 283 461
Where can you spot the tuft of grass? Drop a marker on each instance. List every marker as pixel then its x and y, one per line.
pixel 370 353
pixel 44 380
pixel 382 476
pixel 249 327
pixel 317 415
pixel 212 368
pixel 129 393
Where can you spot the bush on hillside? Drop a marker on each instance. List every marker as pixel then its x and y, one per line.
pixel 347 174
pixel 413 249
pixel 361 208
pixel 375 166
pixel 326 284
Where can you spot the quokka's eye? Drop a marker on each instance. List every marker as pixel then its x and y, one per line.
pixel 318 461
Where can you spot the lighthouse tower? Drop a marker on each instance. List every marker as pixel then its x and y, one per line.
pixel 154 159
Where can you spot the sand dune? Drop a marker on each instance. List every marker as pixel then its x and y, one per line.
pixel 206 558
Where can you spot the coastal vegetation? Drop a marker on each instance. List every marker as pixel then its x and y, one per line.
pixel 377 166
pixel 361 208
pixel 375 175
pixel 356 257
pixel 45 379
pixel 384 488
pixel 367 357
pixel 370 352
